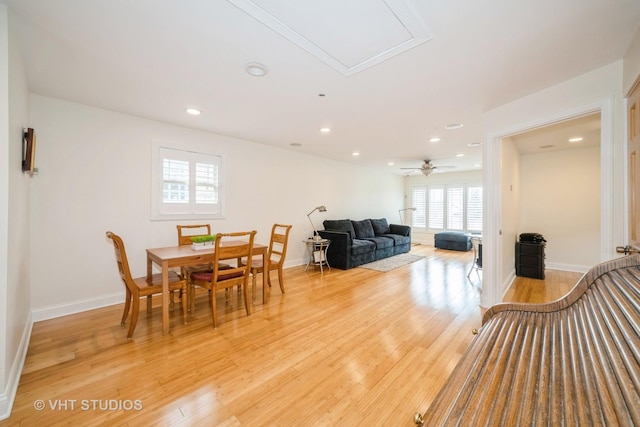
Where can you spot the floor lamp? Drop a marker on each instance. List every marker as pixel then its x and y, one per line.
pixel 316 236
pixel 405 209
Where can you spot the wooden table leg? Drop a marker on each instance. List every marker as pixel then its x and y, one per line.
pixel 165 298
pixel 265 271
pixel 149 269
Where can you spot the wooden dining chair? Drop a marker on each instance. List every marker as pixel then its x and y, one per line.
pixel 275 257
pixel 185 233
pixel 227 247
pixel 141 287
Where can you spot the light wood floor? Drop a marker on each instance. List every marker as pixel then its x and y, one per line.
pixel 346 348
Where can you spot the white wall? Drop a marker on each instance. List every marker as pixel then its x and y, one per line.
pixel 600 89
pixel 95 175
pixel 425 236
pixel 631 62
pixel 561 200
pixel 511 198
pixel 15 319
pixel 5 354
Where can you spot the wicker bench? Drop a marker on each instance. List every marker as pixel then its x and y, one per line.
pixel 574 361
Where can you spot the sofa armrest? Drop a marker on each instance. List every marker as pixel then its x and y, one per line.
pixel 402 230
pixel 339 251
pixel 338 238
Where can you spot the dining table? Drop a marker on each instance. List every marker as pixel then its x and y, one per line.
pixel 184 256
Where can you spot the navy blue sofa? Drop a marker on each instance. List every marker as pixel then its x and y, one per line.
pixel 354 243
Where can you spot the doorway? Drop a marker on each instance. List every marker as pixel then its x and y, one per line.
pixel 557 190
pixel 503 225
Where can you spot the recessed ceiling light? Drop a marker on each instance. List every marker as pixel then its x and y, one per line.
pixel 193 111
pixel 477 166
pixel 576 139
pixel 355 154
pixel 390 164
pixel 460 155
pixel 452 126
pixel 434 139
pixel 473 144
pixel 295 144
pixel 255 69
pixel 325 130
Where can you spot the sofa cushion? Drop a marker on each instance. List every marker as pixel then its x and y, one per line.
pixel 363 229
pixel 398 239
pixel 339 225
pixel 381 242
pixel 360 247
pixel 380 226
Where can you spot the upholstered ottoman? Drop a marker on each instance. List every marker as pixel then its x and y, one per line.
pixel 452 240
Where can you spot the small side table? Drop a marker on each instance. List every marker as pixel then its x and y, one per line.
pixel 317 252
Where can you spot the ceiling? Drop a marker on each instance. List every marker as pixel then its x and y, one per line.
pixel 384 75
pixel 560 136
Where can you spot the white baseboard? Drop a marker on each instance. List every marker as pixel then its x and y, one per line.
pixel 294 262
pixel 567 267
pixel 507 283
pixel 9 394
pixel 73 307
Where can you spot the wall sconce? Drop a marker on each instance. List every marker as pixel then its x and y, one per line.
pixel 316 236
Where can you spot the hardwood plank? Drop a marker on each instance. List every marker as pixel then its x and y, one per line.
pixel 556 284
pixel 355 347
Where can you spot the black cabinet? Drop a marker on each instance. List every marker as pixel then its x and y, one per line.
pixel 530 260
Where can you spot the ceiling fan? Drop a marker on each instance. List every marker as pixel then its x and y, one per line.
pixel 426 168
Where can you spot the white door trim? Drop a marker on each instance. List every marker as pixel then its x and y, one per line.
pixel 494 286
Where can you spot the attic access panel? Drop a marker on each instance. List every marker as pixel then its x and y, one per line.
pixel 350 36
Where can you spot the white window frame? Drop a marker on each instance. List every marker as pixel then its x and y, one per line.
pixel 184 211
pixel 420 219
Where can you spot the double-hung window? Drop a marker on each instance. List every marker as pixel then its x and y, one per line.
pixel 186 184
pixel 455 207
